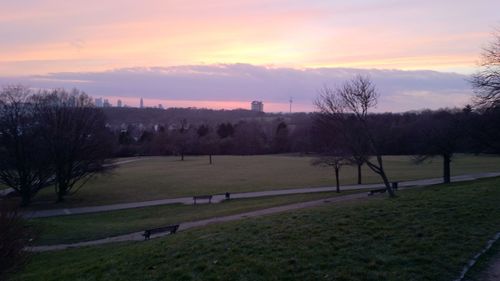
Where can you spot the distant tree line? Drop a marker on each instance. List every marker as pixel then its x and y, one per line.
pixel 406 133
pixel 263 135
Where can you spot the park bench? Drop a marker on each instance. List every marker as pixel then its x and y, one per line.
pixel 171 229
pixel 382 190
pixel 203 197
pixel 395 185
pixel 378 190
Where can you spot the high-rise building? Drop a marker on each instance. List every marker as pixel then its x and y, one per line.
pixel 257 106
pixel 141 104
pixel 119 103
pixel 160 106
pixel 106 103
pixel 98 102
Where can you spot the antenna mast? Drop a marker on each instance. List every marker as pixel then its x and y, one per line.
pixel 291 101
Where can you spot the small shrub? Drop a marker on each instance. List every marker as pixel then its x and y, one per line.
pixel 14 237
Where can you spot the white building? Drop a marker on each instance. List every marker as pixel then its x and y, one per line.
pixel 257 106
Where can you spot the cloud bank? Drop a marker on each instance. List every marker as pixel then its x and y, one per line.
pixel 239 84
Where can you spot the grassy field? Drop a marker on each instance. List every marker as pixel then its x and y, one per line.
pixel 165 177
pixel 75 228
pixel 424 234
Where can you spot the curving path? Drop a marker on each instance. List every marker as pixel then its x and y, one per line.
pixel 220 197
pixel 137 236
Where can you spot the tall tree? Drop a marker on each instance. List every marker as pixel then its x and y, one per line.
pixel 23 159
pixel 280 140
pixel 348 107
pixel 225 130
pixel 486 81
pixel 335 160
pixel 182 139
pixel 208 142
pixel 75 137
pixel 440 134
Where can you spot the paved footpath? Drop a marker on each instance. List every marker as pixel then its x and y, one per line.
pixel 492 273
pixel 220 197
pixel 137 236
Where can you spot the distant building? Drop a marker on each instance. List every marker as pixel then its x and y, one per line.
pixel 98 102
pixel 119 103
pixel 141 104
pixel 257 106
pixel 106 103
pixel 160 106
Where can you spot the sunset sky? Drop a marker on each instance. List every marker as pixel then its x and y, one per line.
pixel 48 43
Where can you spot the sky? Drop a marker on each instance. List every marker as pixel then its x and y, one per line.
pixel 224 53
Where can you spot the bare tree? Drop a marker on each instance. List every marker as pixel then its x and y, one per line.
pixel 348 107
pixel 23 165
pixel 182 138
pixel 358 161
pixel 335 160
pixel 486 81
pixel 440 133
pixel 75 137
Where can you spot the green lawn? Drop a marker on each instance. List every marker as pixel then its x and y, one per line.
pixel 75 228
pixel 166 177
pixel 424 234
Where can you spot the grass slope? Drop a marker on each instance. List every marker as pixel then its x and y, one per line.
pixel 424 234
pixel 166 177
pixel 76 228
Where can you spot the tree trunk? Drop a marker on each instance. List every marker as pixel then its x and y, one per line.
pixel 60 193
pixel 210 159
pixel 387 185
pixel 384 177
pixel 62 190
pixel 25 197
pixel 446 168
pixel 359 173
pixel 25 192
pixel 337 178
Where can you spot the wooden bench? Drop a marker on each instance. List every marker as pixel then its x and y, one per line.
pixel 379 190
pixel 171 229
pixel 203 197
pixel 395 185
pixel 382 190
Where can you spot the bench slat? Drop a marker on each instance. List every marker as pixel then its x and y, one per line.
pixel 380 190
pixel 172 229
pixel 209 197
